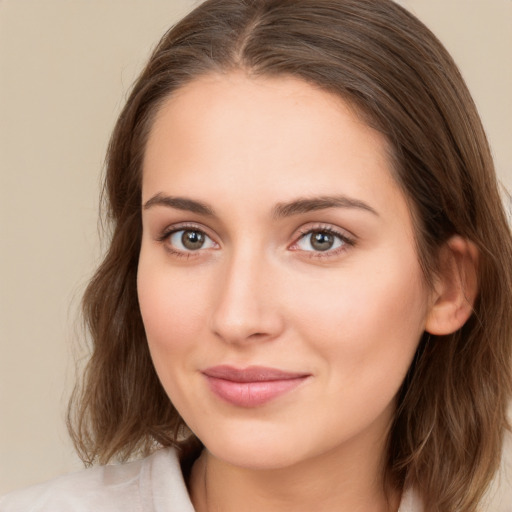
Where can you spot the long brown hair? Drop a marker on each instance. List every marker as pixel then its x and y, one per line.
pixel 447 434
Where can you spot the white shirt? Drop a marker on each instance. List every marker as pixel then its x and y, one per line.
pixel 153 484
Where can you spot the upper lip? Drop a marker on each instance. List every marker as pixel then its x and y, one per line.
pixel 251 373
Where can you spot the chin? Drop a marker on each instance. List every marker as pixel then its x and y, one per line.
pixel 256 450
pixel 255 458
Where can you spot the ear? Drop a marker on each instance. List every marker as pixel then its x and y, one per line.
pixel 456 287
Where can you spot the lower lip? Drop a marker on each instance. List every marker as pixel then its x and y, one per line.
pixel 252 394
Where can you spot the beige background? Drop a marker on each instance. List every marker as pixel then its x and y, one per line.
pixel 65 67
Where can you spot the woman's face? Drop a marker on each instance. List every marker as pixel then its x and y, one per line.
pixel 278 279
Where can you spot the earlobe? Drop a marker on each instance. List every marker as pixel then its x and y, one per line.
pixel 456 287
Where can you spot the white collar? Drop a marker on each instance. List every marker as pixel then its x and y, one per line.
pixel 410 502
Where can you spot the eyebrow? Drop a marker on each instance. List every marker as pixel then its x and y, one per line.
pixel 288 209
pixel 306 205
pixel 180 203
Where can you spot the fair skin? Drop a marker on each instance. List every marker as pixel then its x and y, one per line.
pixel 274 235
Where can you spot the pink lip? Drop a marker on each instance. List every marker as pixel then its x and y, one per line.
pixel 252 386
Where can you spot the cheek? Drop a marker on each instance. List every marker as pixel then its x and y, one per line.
pixel 367 323
pixel 172 306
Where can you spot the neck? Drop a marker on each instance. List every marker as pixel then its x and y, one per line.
pixel 331 482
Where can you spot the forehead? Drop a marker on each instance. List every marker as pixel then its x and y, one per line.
pixel 271 137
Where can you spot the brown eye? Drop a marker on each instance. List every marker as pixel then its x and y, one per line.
pixel 192 240
pixel 321 241
pixel 187 240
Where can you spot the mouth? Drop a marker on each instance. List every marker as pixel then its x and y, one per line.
pixel 253 386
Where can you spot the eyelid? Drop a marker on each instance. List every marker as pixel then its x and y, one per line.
pixel 165 234
pixel 348 239
pixel 179 226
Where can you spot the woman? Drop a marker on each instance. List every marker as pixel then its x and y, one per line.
pixel 306 301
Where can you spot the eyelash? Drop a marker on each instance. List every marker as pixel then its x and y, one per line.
pixel 347 241
pixel 169 231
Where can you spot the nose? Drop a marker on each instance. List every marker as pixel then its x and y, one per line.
pixel 246 308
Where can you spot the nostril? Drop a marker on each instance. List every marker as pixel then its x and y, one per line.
pixel 257 335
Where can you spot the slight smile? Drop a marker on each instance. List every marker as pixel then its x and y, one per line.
pixel 252 386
